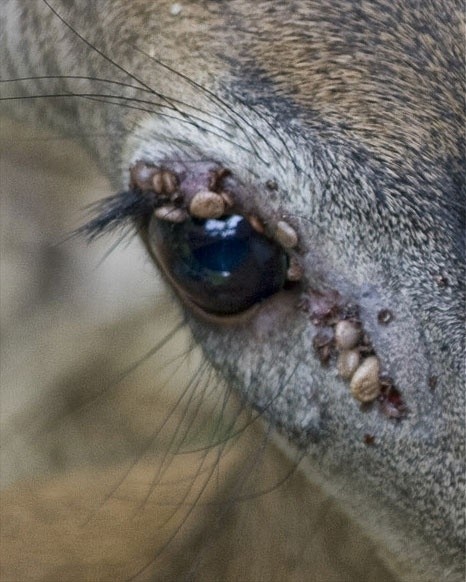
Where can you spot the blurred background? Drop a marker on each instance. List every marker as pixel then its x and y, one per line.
pixel 122 456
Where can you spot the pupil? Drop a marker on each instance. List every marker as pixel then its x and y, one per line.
pixel 219 245
pixel 224 265
pixel 223 256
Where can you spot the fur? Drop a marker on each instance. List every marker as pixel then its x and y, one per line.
pixel 356 111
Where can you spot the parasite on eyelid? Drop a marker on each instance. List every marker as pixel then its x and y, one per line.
pixel 365 384
pixel 256 224
pixel 157 183
pixel 169 182
pixel 322 343
pixel 348 363
pixel 227 199
pixel 142 176
pixel 323 307
pixel 164 182
pixel 171 214
pixel 295 270
pixel 441 280
pixel 286 235
pixel 207 204
pixel 216 177
pixel 271 185
pixel 391 402
pixel 347 335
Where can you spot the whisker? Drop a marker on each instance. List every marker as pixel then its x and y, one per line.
pixel 187 121
pixel 128 371
pixel 191 119
pixel 147 445
pixel 277 484
pixel 108 58
pixel 117 212
pixel 255 416
pixel 234 116
pixel 190 508
pixel 274 130
pixel 77 78
pixel 162 470
pixel 10 438
pixel 213 99
pixel 95 48
pixel 106 99
pixel 163 97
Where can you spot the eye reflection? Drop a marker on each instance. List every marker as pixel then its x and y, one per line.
pixel 222 265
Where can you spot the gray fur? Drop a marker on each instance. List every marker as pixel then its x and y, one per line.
pixel 369 168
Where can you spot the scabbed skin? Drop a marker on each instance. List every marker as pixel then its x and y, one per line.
pixel 355 112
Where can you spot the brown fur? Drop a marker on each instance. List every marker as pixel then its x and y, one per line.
pixel 356 111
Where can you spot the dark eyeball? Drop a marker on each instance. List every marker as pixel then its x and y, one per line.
pixel 223 265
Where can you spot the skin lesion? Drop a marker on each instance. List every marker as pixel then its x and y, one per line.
pixel 92 424
pixel 359 182
pixel 340 339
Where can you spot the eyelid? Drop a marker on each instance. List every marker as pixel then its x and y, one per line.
pixel 259 262
pixel 130 212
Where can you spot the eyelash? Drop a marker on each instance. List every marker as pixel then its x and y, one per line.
pixel 117 212
pixel 222 266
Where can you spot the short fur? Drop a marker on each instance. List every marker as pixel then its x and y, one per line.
pixel 356 110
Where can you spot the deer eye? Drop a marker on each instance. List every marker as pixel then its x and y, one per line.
pixel 222 265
